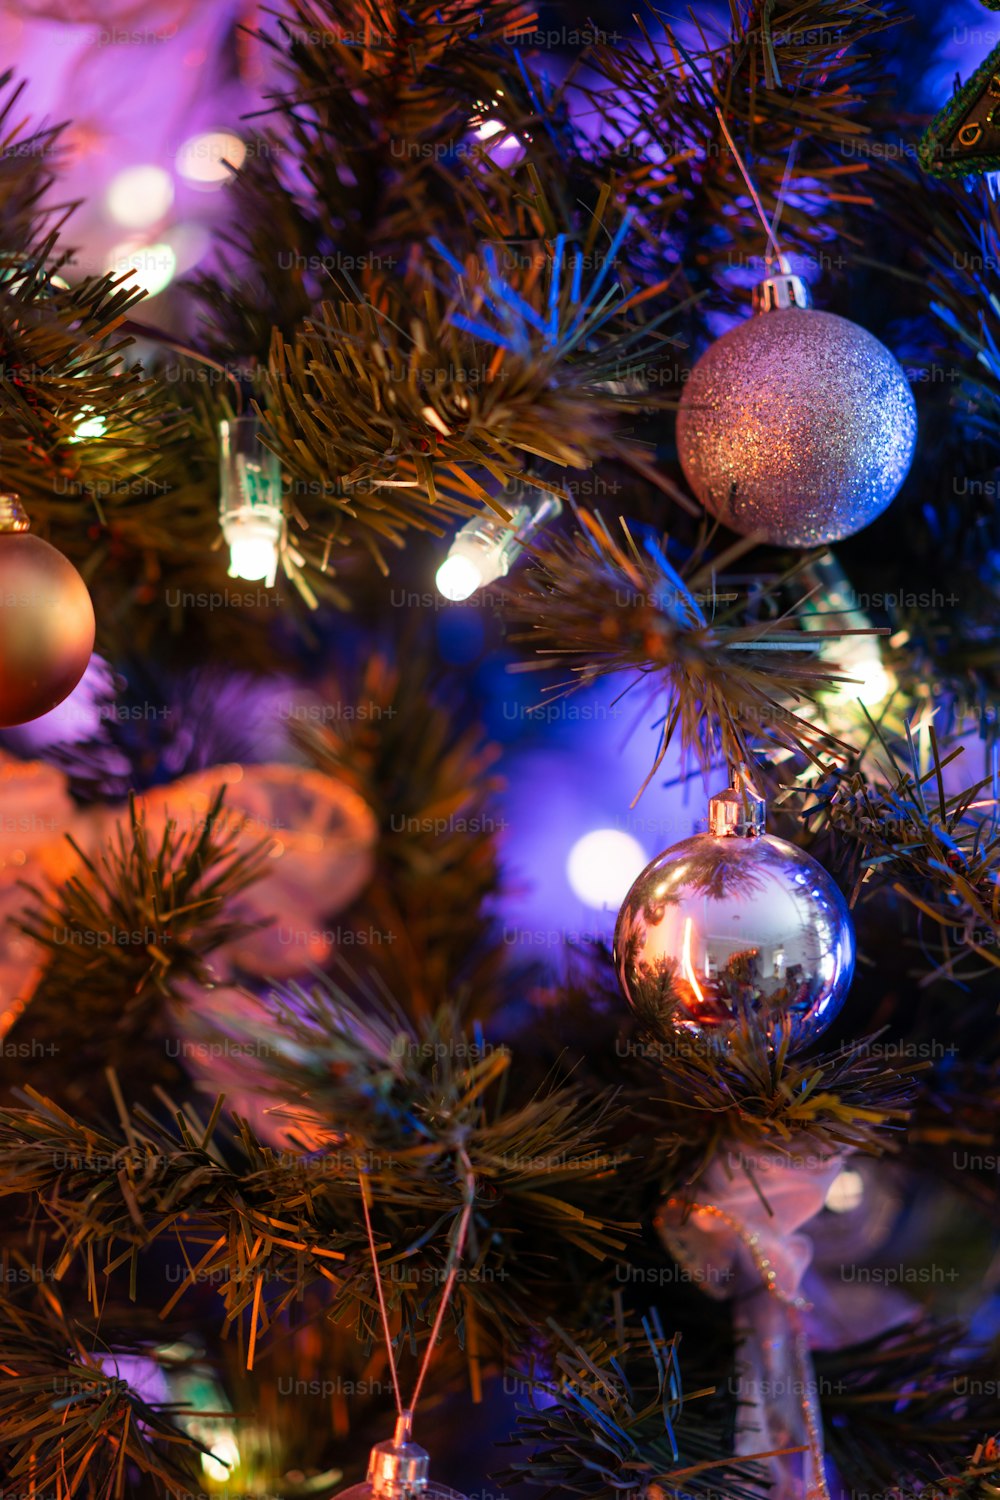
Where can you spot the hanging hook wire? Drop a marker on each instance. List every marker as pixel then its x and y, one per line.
pixel 455 1253
pixel 386 1329
pixel 779 254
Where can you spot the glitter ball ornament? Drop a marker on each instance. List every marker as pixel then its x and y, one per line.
pixel 46 621
pixel 398 1470
pixel 797 424
pixel 735 923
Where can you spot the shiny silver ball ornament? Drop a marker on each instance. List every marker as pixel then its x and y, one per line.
pixel 735 923
pixel 797 424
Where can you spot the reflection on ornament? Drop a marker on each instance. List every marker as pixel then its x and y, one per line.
pixel 602 865
pixel 796 424
pixel 736 923
pixel 251 510
pixel 487 546
pixel 46 621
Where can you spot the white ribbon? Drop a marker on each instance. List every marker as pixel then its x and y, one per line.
pixel 740 1240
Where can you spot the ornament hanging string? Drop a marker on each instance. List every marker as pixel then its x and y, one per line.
pixel 786 178
pixel 455 1254
pixel 769 228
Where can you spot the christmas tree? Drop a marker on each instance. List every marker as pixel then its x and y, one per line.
pixel 346 1138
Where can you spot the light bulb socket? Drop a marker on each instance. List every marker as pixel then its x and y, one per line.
pixel 13 516
pixel 780 292
pixel 249 472
pixel 398 1469
pixel 490 544
pixel 738 813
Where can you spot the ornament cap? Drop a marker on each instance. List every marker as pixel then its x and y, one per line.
pixel 398 1467
pixel 737 812
pixel 781 291
pixel 13 516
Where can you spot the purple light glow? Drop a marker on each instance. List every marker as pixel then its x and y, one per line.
pixel 137 83
pixel 581 782
pixel 75 719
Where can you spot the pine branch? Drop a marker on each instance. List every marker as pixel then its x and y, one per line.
pixel 63 372
pixel 265 1225
pixel 446 378
pixel 749 1093
pixel 977 1478
pixel 796 81
pixel 124 934
pixel 955 1132
pixel 940 851
pixel 904 1408
pixel 28 165
pixel 433 789
pixel 371 123
pixel 713 666
pixel 615 1419
pixel 687 1097
pixel 70 1425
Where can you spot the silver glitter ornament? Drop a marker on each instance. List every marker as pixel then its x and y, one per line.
pixel 734 922
pixel 797 424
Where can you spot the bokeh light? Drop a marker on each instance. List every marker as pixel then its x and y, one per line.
pixel 603 865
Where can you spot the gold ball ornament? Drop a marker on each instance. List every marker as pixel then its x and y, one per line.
pixel 46 621
pixel 796 424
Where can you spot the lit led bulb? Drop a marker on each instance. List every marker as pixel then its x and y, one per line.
pixel 458 577
pixel 486 547
pixel 869 680
pixel 89 424
pixel 223 1456
pixel 864 676
pixel 254 545
pixel 250 507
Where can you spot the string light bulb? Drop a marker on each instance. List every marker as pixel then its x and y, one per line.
pixel 486 547
pixel 251 512
pixel 865 677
